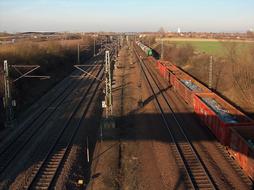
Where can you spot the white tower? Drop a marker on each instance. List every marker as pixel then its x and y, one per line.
pixel 178 30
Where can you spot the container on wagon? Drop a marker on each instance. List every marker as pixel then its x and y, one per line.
pixel 219 115
pixel 241 147
pixel 187 87
pixel 175 75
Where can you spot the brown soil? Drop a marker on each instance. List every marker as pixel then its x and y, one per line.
pixel 140 157
pixel 136 153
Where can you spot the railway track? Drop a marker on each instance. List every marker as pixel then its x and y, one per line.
pixel 47 102
pixel 45 171
pixel 44 106
pixel 32 132
pixel 199 146
pixel 23 137
pixel 203 149
pixel 196 175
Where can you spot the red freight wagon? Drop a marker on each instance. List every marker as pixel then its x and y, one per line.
pixel 219 115
pixel 241 147
pixel 187 86
pixel 172 79
pixel 171 67
pixel 168 70
pixel 162 69
pixel 178 74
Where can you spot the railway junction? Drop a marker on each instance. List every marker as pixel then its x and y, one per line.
pixel 119 125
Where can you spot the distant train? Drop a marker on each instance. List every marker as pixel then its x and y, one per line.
pixel 146 49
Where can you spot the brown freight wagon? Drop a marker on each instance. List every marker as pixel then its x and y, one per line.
pixel 241 147
pixel 219 115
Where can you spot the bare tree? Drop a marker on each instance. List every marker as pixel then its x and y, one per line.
pixel 241 61
pixel 161 31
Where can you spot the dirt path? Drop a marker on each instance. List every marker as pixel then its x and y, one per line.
pixel 135 155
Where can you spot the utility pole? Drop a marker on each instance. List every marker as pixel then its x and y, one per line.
pixel 8 102
pixel 94 46
pixel 78 54
pixel 140 101
pixel 7 96
pixel 79 51
pixel 108 97
pixel 211 73
pixel 162 49
pixel 87 150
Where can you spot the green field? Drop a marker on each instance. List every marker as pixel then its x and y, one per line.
pixel 217 48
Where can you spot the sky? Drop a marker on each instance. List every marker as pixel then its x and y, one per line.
pixel 126 15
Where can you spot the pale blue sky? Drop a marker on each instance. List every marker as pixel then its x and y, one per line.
pixel 127 15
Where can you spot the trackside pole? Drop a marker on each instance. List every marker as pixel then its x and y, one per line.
pixel 78 54
pixel 108 78
pixel 162 49
pixel 9 103
pixel 7 97
pixel 107 104
pixel 94 47
pixel 87 150
pixel 211 73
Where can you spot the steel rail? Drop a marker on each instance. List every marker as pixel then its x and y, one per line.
pixel 48 168
pixel 10 152
pixel 61 87
pixel 197 173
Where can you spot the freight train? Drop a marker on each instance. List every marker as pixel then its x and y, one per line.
pixel 232 128
pixel 147 50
